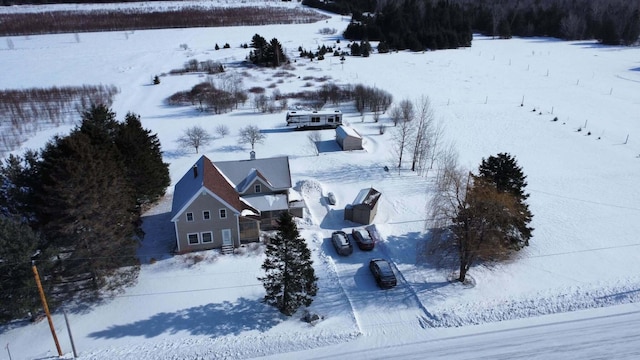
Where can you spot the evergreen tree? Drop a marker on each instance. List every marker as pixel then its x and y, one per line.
pixel 276 56
pixel 289 280
pixel 18 293
pixel 18 175
pixel 142 157
pixel 503 171
pixel 85 210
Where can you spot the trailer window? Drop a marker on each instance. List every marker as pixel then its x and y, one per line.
pixel 315 119
pixel 330 119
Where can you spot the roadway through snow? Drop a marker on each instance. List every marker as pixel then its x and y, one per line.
pixel 604 333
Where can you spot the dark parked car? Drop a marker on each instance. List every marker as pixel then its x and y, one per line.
pixel 363 239
pixel 342 243
pixel 382 271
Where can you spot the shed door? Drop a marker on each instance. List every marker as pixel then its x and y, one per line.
pixel 226 236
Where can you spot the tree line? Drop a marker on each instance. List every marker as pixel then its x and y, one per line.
pixel 54 22
pixel 25 111
pixel 74 207
pixel 612 22
pixel 420 25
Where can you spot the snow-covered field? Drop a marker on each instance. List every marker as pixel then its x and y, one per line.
pixel 583 185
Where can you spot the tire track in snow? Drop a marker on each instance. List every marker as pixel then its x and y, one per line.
pixel 426 321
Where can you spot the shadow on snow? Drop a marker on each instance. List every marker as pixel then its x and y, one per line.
pixel 213 320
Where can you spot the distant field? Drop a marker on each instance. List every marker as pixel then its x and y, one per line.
pixel 129 19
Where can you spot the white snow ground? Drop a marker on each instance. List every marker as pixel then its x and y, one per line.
pixel 582 266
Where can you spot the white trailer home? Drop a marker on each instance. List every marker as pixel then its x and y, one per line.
pixel 315 119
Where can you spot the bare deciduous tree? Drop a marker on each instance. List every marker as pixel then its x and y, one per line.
pixel 420 145
pixel 251 134
pixel 195 137
pixel 222 130
pixel 403 131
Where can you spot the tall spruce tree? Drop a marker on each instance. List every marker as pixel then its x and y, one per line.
pixel 289 280
pixel 503 171
pixel 142 158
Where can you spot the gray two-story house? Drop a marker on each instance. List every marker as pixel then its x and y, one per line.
pixel 226 204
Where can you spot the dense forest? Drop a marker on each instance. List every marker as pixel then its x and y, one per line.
pixel 425 24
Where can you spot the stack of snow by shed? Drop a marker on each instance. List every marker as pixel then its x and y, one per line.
pixel 364 207
pixel 348 138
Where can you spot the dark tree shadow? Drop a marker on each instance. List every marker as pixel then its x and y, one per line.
pixel 159 239
pixel 213 320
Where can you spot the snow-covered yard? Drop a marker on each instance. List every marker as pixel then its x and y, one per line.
pixel 582 184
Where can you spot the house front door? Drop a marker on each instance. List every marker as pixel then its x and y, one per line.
pixel 226 237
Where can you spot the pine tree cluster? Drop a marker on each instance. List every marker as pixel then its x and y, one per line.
pixel 83 195
pixel 266 53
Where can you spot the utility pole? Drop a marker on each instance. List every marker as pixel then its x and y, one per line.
pixel 46 307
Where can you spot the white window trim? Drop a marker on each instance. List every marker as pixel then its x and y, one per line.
pixel 197 236
pixel 187 216
pixel 204 217
pixel 220 213
pixel 257 188
pixel 202 237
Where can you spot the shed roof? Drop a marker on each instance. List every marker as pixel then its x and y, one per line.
pixel 345 131
pixel 367 197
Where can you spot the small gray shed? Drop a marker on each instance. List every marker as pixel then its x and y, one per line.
pixel 364 208
pixel 348 138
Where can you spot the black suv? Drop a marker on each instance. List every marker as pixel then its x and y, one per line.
pixel 342 243
pixel 382 271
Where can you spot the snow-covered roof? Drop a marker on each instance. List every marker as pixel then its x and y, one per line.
pixel 368 197
pixel 273 171
pixel 205 176
pixel 345 131
pixel 267 202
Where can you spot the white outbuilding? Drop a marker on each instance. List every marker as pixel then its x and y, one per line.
pixel 348 138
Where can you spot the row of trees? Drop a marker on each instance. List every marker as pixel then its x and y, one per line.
pixel 414 25
pixel 77 202
pixel 26 111
pixel 420 25
pixel 614 22
pixel 196 136
pixel 416 134
pixel 51 22
pixel 479 217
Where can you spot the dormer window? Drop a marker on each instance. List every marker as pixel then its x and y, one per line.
pixel 257 188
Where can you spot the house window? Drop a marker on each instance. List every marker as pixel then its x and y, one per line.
pixel 257 188
pixel 207 237
pixel 193 239
pixel 189 216
pixel 206 215
pixel 223 213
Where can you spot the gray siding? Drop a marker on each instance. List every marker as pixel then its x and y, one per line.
pixel 205 202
